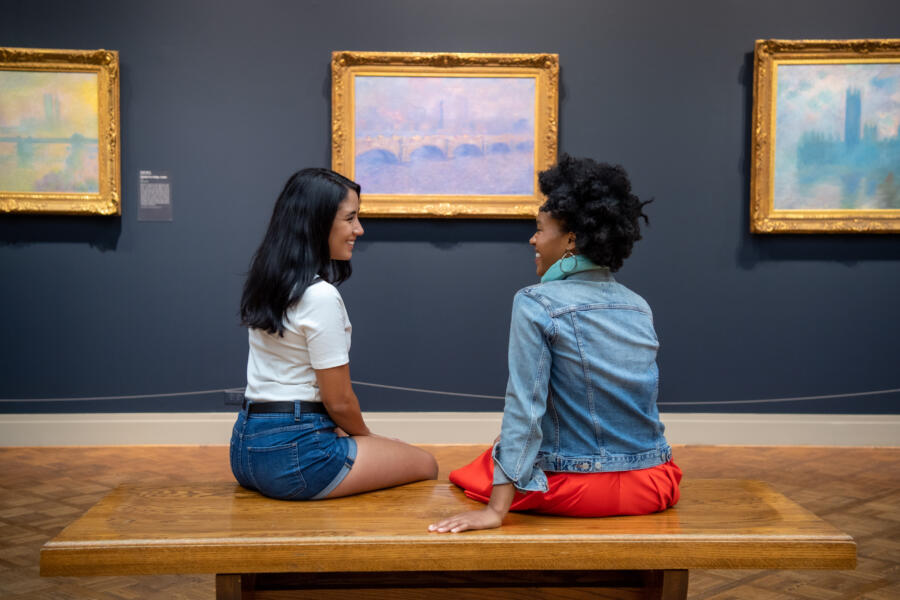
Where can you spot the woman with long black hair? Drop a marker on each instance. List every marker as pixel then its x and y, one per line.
pixel 300 433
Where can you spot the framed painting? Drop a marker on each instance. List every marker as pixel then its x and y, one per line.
pixel 826 137
pixel 445 135
pixel 59 131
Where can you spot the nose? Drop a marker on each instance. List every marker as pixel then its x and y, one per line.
pixel 358 230
pixel 532 241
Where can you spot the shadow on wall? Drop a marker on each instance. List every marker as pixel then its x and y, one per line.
pixel 99 232
pixel 847 249
pixel 444 233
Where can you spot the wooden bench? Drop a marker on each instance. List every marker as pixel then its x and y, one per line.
pixel 376 545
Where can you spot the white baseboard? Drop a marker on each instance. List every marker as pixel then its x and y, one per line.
pixel 103 429
pixel 782 429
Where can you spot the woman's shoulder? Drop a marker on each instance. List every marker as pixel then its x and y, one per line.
pixel 531 301
pixel 529 291
pixel 320 289
pixel 320 296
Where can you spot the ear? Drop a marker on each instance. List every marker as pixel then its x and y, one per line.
pixel 570 244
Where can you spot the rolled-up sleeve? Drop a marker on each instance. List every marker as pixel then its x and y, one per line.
pixel 515 455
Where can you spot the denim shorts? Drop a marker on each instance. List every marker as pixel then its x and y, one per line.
pixel 290 456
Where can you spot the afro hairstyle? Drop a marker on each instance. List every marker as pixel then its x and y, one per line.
pixel 594 201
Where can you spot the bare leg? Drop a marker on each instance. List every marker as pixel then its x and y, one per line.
pixel 382 462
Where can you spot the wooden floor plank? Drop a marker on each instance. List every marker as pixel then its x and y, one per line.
pixel 855 489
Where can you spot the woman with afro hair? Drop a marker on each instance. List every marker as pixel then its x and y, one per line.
pixel 581 434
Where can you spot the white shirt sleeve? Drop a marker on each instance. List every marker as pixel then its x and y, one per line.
pixel 326 325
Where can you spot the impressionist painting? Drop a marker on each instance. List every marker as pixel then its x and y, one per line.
pixel 837 136
pixel 445 135
pixel 49 132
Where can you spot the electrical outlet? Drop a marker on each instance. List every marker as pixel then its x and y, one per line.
pixel 234 397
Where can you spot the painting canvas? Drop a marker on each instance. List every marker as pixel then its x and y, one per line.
pixel 837 136
pixel 48 132
pixel 59 131
pixel 825 152
pixel 445 135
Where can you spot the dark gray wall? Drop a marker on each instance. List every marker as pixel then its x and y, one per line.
pixel 232 97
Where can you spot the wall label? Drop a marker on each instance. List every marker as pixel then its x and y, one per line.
pixel 155 196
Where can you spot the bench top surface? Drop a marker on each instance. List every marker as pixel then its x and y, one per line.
pixel 223 528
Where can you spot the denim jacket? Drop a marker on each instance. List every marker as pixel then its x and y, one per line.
pixel 583 383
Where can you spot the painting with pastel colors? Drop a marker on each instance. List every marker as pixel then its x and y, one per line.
pixel 837 136
pixel 444 135
pixel 49 132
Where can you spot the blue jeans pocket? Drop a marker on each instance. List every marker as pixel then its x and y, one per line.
pixel 275 471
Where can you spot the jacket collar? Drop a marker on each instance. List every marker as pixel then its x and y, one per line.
pixel 573 267
pixel 597 275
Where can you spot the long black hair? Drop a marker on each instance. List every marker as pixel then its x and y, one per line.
pixel 594 201
pixel 295 248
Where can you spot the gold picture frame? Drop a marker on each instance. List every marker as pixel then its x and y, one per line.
pixel 59 132
pixel 825 155
pixel 445 134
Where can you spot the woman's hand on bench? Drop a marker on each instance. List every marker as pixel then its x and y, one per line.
pixel 487 518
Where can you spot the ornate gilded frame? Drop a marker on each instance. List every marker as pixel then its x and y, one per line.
pixel 764 217
pixel 345 66
pixel 105 63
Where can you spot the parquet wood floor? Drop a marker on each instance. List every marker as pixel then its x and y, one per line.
pixel 855 489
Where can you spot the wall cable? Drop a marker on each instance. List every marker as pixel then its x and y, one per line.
pixel 443 393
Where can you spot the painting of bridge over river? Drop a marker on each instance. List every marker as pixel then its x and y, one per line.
pixel 444 135
pixel 48 132
pixel 837 136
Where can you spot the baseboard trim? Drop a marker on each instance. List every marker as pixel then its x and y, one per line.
pixel 102 429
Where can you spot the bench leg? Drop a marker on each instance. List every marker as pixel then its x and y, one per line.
pixel 674 585
pixel 460 585
pixel 228 587
pixel 235 587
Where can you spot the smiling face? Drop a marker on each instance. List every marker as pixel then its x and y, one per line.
pixel 345 228
pixel 550 242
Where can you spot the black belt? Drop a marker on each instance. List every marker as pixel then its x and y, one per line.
pixel 284 407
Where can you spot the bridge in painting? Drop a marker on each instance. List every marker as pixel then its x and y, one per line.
pixel 396 148
pixel 25 145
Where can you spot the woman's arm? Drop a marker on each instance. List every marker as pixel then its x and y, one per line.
pixel 531 331
pixel 339 399
pixel 526 403
pixel 487 518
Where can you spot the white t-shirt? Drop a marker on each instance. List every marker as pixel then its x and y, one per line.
pixel 316 336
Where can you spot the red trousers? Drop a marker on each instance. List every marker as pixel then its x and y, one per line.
pixel 581 494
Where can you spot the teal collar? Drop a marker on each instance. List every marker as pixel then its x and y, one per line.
pixel 569 265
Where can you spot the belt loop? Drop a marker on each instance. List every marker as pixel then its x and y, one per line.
pixel 245 406
pixel 296 410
